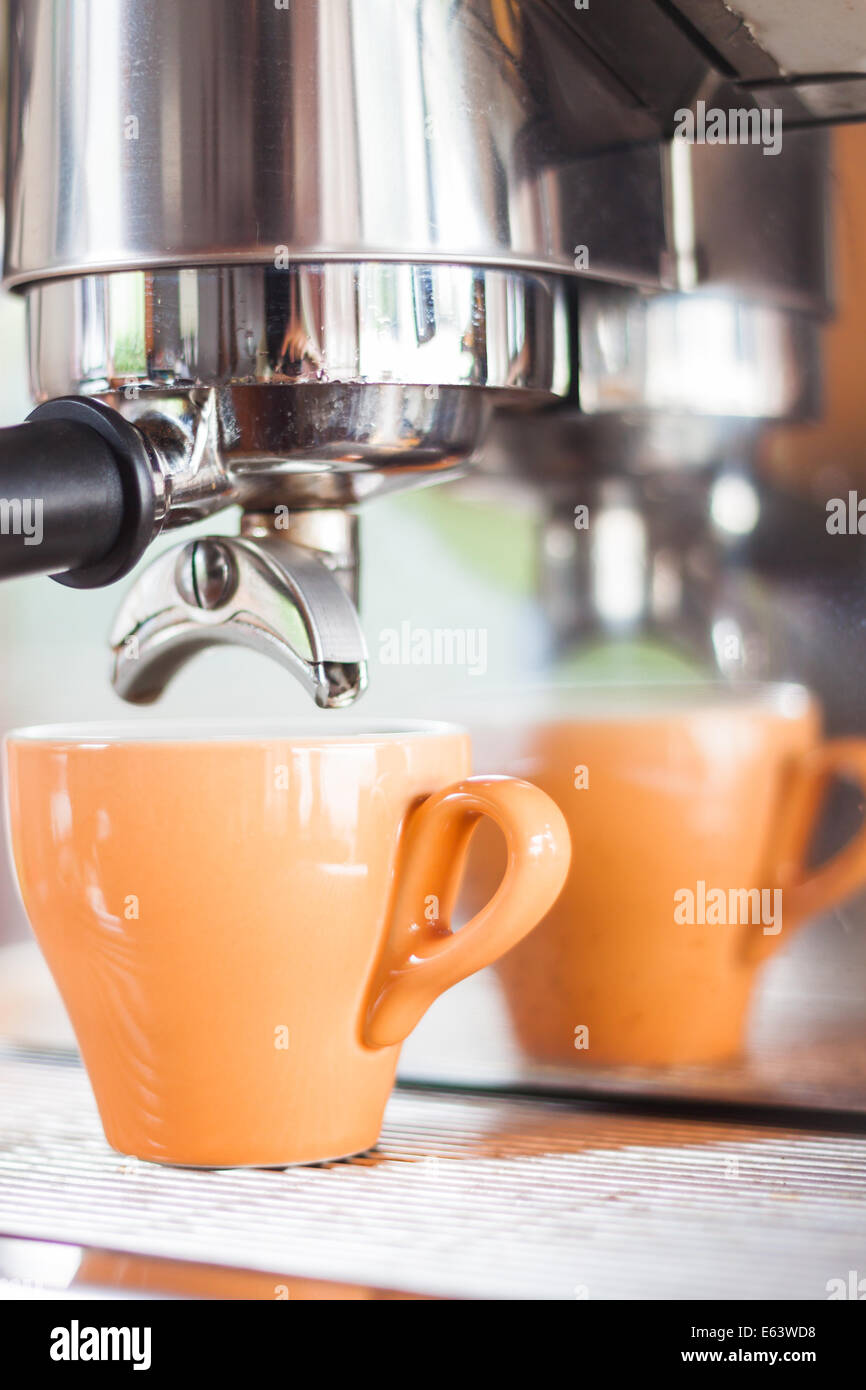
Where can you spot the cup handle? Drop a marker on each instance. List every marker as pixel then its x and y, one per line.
pixel 422 956
pixel 806 894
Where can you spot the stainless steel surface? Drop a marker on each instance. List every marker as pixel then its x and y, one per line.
pixel 482 133
pixel 329 534
pixel 268 594
pixel 309 250
pixel 312 446
pixel 660 563
pixel 805 1044
pixel 760 231
pixel 376 130
pixel 309 388
pixel 704 355
pixel 466 1196
pixel 807 58
pixel 663 383
pixel 648 564
pixel 317 383
pixel 351 322
pixel 805 1049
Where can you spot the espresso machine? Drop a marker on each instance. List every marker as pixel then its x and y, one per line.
pixel 290 258
pixel 285 258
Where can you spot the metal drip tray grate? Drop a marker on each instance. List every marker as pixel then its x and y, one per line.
pixel 467 1195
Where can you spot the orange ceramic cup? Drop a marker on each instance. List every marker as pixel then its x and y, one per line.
pixel 665 790
pixel 244 925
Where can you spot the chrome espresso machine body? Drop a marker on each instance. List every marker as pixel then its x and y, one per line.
pixel 291 257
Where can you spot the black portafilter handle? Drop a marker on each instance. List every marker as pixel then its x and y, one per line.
pixel 77 494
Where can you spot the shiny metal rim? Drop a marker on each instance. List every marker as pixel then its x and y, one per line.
pixel 369 323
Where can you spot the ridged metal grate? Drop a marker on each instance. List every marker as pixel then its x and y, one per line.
pixel 467 1195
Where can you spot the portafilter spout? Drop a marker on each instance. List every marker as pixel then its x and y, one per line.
pixel 85 490
pixel 285 587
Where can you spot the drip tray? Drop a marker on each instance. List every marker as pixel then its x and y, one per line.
pixel 468 1195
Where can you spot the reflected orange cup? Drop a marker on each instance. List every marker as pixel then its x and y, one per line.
pixel 244 924
pixel 691 810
